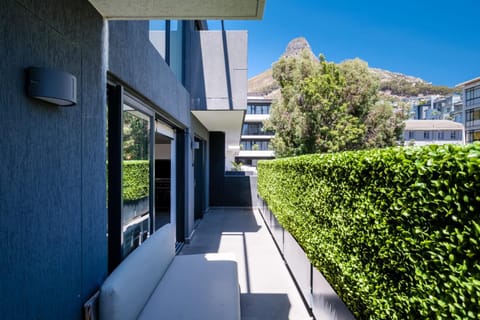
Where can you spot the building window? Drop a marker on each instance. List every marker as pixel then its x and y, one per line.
pixel 255 145
pixel 130 138
pixel 411 134
pixel 252 128
pixel 441 135
pixel 426 135
pixel 472 96
pixel 255 128
pixel 168 39
pixel 472 117
pixel 136 177
pixel 473 135
pixel 254 108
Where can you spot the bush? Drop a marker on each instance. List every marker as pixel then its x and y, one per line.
pixel 395 231
pixel 136 179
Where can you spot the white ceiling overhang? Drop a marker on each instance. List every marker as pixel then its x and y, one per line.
pixel 230 122
pixel 180 9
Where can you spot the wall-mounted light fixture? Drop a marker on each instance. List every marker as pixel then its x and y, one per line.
pixel 53 86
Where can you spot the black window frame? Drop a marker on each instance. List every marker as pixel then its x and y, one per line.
pixel 116 95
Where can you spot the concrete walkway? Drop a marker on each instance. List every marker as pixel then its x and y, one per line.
pixel 267 289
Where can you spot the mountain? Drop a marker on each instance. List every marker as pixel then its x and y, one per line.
pixel 392 84
pixel 297 46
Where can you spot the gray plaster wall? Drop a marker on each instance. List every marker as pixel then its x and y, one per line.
pixel 135 61
pixel 213 57
pixel 52 176
pixel 201 132
pixel 199 129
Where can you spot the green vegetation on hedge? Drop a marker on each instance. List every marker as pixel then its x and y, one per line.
pixel 395 231
pixel 135 179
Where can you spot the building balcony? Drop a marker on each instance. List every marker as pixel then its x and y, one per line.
pixel 258 136
pixel 267 288
pixel 256 117
pixel 260 154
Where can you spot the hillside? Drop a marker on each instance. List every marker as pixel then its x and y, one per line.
pixel 396 85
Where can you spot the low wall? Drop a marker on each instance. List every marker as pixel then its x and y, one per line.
pixel 235 191
pixel 316 291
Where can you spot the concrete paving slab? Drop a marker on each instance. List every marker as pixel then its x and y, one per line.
pixel 267 289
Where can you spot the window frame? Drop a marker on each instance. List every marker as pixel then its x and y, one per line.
pixel 117 98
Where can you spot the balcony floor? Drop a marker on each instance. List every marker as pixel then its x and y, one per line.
pixel 267 289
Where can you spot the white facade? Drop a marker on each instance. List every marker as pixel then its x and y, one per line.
pixel 438 108
pixel 471 113
pixel 255 141
pixel 425 132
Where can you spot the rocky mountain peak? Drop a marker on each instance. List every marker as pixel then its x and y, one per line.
pixel 296 46
pixel 391 83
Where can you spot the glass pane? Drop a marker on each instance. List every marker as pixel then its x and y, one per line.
pixel 158 36
pixel 176 48
pixel 136 179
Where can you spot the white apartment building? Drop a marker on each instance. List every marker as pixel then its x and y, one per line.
pixel 424 132
pixel 471 102
pixel 438 108
pixel 255 141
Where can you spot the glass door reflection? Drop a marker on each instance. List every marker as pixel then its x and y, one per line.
pixel 136 175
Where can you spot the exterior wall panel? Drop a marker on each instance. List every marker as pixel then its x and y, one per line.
pixel 134 60
pixel 219 64
pixel 52 186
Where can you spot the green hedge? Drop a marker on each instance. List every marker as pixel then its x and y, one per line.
pixel 395 231
pixel 136 179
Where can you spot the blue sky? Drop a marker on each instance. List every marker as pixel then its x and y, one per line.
pixel 438 41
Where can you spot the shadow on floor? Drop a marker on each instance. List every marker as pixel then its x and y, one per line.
pixel 217 222
pixel 264 306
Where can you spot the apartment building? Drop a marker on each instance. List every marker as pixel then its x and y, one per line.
pixel 425 132
pixel 471 114
pixel 158 108
pixel 438 108
pixel 447 108
pixel 255 140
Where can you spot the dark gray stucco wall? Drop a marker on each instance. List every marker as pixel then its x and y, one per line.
pixel 227 191
pixel 52 185
pixel 201 132
pixel 135 61
pixel 218 61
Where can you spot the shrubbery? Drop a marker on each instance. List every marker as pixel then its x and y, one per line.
pixel 403 87
pixel 395 231
pixel 136 179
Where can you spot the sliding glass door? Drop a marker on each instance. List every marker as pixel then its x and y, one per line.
pixel 141 173
pixel 136 177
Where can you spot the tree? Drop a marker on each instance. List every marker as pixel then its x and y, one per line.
pixel 135 136
pixel 325 107
pixel 361 87
pixel 311 117
pixel 384 125
pixel 383 121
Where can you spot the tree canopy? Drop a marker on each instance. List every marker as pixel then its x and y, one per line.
pixel 325 107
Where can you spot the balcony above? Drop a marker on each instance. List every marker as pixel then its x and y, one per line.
pixel 180 10
pixel 218 72
pixel 256 117
pixel 265 136
pixel 228 121
pixel 258 154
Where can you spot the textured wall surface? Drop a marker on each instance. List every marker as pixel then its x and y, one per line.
pixel 52 185
pixel 227 191
pixel 134 60
pixel 219 63
pixel 201 132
